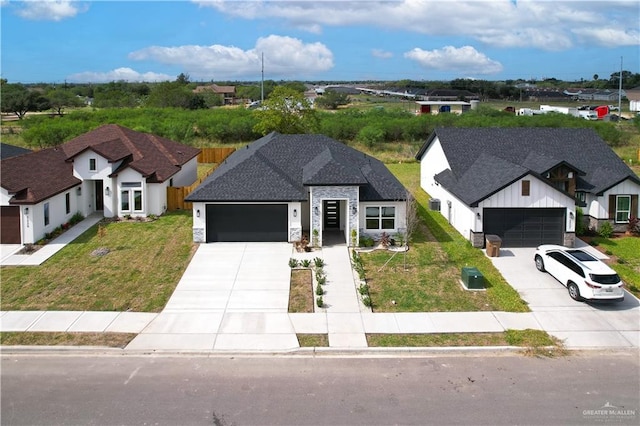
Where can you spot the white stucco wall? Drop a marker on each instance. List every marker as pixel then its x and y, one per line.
pixel 131 176
pixel 103 167
pixel 400 221
pixel 33 227
pixel 433 161
pixel 187 174
pixel 4 197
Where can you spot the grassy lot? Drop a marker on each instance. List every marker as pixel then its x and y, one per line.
pixel 624 253
pixel 111 340
pixel 301 291
pixel 141 270
pixel 429 282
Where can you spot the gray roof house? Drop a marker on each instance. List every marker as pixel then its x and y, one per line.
pixel 282 187
pixel 525 184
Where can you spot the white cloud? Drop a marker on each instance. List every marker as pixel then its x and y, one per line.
pixel 283 56
pixel 49 10
pixel 118 74
pixel 546 25
pixel 465 59
pixel 381 54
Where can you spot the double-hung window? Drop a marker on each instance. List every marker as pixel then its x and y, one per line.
pixel 131 197
pixel 623 208
pixel 380 217
pixel 92 165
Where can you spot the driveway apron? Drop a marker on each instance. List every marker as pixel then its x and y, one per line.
pixel 233 296
pixel 578 324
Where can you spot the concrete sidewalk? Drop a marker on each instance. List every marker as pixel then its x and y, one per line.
pixel 11 258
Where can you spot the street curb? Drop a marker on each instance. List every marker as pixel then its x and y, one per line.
pixel 399 352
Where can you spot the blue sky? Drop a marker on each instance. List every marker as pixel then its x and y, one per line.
pixel 214 40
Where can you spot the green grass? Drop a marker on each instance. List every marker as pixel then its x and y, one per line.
pixel 430 280
pixel 625 259
pixel 112 340
pixel 535 342
pixel 313 340
pixel 143 267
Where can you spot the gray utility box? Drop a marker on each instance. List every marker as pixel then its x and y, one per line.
pixel 472 278
pixel 434 204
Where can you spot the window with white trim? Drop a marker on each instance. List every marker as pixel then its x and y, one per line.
pixel 131 196
pixel 380 217
pixel 623 208
pixel 92 165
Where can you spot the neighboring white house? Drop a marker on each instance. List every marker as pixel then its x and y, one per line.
pixel 282 187
pixel 525 184
pixel 112 170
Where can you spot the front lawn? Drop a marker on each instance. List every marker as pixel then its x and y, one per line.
pixel 624 255
pixel 139 273
pixel 428 279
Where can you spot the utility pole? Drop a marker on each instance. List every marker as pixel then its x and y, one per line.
pixel 262 83
pixel 620 91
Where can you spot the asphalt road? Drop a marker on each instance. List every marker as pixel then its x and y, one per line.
pixel 586 388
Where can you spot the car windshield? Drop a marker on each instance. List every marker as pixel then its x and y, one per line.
pixel 605 279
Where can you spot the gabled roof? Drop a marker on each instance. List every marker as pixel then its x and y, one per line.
pixel 485 160
pixel 280 167
pixel 34 177
pixel 8 151
pixel 152 156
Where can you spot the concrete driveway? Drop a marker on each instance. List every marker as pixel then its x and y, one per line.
pixel 579 324
pixel 230 294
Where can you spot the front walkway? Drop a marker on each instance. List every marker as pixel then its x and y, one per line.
pixel 11 258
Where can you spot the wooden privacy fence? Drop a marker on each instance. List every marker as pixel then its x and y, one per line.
pixel 214 155
pixel 177 194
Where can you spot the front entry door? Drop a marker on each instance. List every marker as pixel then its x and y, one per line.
pixel 331 209
pixel 99 196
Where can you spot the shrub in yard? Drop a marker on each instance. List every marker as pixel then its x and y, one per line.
pixel 319 290
pixel 318 262
pixel 319 302
pixel 364 289
pixel 366 241
pixel 606 230
pixel 385 240
pixel 306 263
pixel 367 301
pixel 293 263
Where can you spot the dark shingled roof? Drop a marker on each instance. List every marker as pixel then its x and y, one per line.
pixel 8 151
pixel 485 160
pixel 279 167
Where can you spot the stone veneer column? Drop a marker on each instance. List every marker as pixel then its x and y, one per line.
pixel 320 193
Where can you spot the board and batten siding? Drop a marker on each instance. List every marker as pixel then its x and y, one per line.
pixel 598 207
pixel 541 196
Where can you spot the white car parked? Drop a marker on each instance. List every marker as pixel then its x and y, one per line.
pixel 585 277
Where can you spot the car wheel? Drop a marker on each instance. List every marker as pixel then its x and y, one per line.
pixel 574 292
pixel 540 263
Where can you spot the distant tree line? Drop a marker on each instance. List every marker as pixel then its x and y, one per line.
pixel 204 127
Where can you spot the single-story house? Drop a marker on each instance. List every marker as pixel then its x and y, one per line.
pixel 524 184
pixel 112 170
pixel 282 187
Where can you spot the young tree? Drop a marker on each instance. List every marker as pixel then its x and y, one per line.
pixel 59 99
pixel 332 99
pixel 286 111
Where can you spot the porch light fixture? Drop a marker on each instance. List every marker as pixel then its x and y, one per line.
pixel 295 213
pixel 478 215
pixel 26 210
pixel 79 190
pixel 197 213
pixel 316 210
pixel 354 210
pixel 107 191
pixel 571 215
